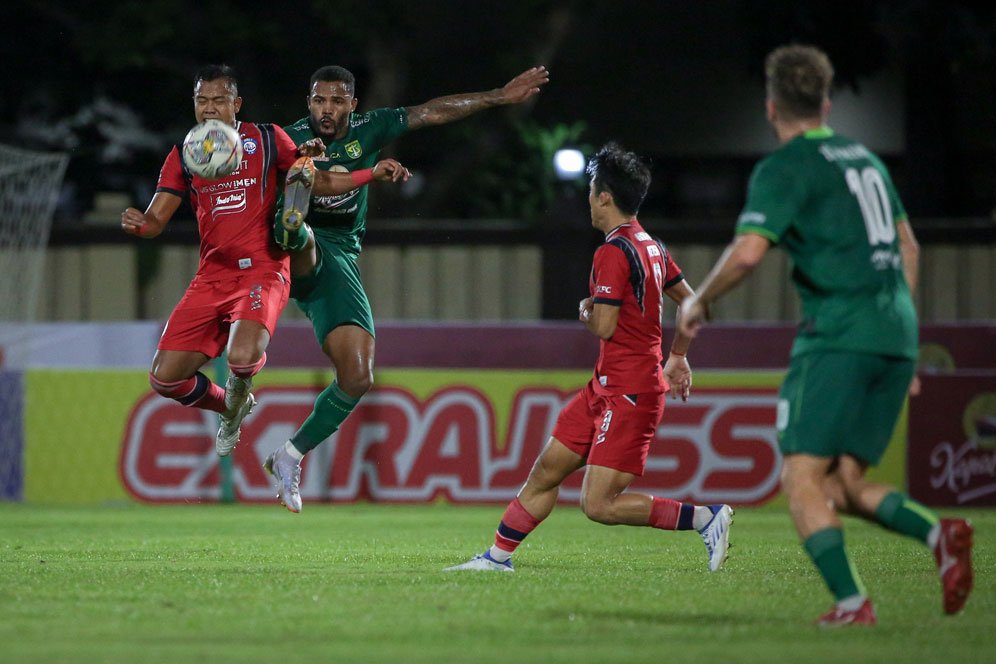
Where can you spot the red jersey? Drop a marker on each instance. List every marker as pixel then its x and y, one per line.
pixel 631 271
pixel 235 214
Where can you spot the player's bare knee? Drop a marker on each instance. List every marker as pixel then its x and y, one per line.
pixel 355 384
pixel 244 355
pixel 159 383
pixel 598 509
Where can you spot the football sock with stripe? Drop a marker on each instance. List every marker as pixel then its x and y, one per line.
pixel 668 514
pixel 331 407
pixel 515 524
pixel 197 391
pixel 826 548
pixel 899 513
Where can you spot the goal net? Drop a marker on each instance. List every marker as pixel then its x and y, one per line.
pixel 29 189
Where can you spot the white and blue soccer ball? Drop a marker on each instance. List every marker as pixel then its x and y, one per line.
pixel 212 150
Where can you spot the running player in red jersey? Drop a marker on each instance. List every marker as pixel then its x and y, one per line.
pixel 609 425
pixel 243 278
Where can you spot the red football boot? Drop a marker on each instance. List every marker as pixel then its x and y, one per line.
pixel 838 617
pixel 953 554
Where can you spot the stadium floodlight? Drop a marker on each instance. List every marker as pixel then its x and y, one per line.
pixel 568 163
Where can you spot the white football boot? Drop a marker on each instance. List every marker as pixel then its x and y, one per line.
pixel 287 471
pixel 483 563
pixel 716 535
pixel 239 402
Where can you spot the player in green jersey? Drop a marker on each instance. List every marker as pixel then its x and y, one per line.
pixel 325 244
pixel 831 204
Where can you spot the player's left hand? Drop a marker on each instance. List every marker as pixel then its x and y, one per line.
pixel 525 85
pixel 693 314
pixel 311 148
pixel 585 308
pixel 678 373
pixel 390 170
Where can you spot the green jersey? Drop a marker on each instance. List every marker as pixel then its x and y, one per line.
pixel 832 205
pixel 343 218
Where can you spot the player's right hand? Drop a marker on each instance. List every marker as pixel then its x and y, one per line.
pixel 132 221
pixel 390 170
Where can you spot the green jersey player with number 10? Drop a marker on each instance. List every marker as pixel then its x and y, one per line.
pixel 324 236
pixel 831 204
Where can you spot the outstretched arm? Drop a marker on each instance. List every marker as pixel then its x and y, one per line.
pixel 150 223
pixel 738 261
pixel 329 183
pixel 454 107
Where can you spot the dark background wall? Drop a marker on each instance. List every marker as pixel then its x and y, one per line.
pixel 680 82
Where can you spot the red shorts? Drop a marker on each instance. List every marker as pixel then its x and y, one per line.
pixel 614 431
pixel 202 319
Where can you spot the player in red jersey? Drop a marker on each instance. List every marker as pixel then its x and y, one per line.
pixel 609 425
pixel 243 278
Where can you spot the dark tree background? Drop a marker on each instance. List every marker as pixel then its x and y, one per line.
pixel 110 82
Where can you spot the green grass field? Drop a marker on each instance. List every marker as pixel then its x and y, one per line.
pixel 362 583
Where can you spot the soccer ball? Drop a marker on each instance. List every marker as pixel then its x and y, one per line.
pixel 212 150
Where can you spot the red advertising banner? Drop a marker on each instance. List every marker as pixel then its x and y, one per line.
pixel 951 454
pixel 720 446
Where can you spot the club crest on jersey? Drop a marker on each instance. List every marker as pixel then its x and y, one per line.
pixel 353 149
pixel 249 145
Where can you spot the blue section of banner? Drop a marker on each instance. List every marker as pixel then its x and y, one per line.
pixel 11 435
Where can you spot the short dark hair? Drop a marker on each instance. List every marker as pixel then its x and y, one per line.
pixel 621 173
pixel 798 79
pixel 333 73
pixel 214 72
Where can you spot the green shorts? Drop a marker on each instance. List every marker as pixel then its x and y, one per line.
pixel 835 403
pixel 333 295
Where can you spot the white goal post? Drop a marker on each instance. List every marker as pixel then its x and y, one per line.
pixel 29 190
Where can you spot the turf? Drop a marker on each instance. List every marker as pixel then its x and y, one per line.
pixel 362 583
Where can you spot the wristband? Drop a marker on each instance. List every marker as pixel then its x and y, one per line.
pixel 674 352
pixel 362 176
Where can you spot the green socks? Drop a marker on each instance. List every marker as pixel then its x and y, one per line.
pixel 294 239
pixel 826 548
pixel 331 408
pixel 905 516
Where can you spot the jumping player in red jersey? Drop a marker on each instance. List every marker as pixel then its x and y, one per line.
pixel 243 278
pixel 609 425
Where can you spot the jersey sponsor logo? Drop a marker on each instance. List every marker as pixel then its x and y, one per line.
pixel 398 447
pixel 228 202
pixel 354 149
pixel 885 259
pixel 230 184
pixel 603 289
pixel 643 236
pixel 337 203
pixel 357 120
pixel 752 218
pixel 249 145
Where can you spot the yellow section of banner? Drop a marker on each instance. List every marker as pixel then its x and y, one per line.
pixel 75 420
pixel 73 425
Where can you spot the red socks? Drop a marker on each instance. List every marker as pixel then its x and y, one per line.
pixel 197 391
pixel 515 524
